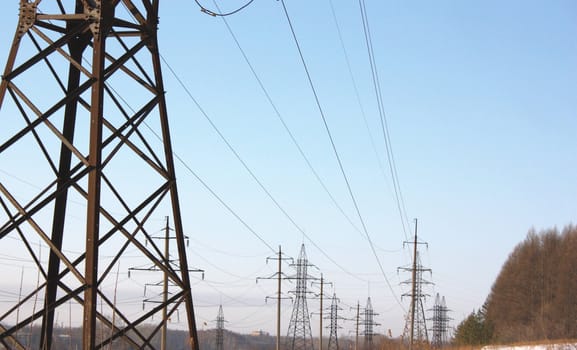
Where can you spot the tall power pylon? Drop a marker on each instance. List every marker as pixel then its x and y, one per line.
pixel 415 332
pixel 299 333
pixel 369 324
pixel 220 329
pixel 440 323
pixel 85 137
pixel 334 325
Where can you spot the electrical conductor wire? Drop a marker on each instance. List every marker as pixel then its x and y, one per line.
pixel 384 125
pixel 220 14
pixel 252 174
pixel 311 84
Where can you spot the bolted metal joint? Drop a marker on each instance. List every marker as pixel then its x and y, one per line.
pixel 27 16
pixel 100 14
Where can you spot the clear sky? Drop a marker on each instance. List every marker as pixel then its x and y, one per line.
pixel 481 103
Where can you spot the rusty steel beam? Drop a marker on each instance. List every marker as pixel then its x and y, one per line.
pixel 100 27
pixel 11 342
pixel 77 47
pixel 172 180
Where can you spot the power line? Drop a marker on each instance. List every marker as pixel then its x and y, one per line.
pixel 219 198
pixel 237 155
pixel 221 201
pixel 357 94
pixel 251 173
pixel 285 126
pixel 199 179
pixel 227 253
pixel 202 182
pixel 337 154
pixel 220 14
pixel 384 125
pixel 239 278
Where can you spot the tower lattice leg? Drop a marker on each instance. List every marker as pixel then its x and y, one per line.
pixel 86 173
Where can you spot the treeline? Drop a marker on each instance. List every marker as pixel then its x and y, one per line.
pixel 535 295
pixel 71 339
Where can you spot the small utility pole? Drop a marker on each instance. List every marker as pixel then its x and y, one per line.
pixel 414 289
pixel 279 276
pixel 278 297
pixel 321 316
pixel 357 326
pixel 321 296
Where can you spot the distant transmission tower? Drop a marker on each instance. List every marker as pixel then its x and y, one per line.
pixel 85 125
pixel 369 324
pixel 165 283
pixel 334 326
pixel 299 333
pixel 440 323
pixel 220 329
pixel 415 332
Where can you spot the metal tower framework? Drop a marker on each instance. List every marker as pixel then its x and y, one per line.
pixel 334 326
pixel 415 332
pixel 299 333
pixel 220 329
pixel 440 323
pixel 369 324
pixel 81 96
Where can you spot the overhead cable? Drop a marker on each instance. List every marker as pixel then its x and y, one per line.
pixel 288 130
pixel 220 14
pixel 384 125
pixel 357 95
pixel 253 175
pixel 204 184
pixel 337 156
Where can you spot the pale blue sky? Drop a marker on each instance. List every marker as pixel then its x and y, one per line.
pixel 481 101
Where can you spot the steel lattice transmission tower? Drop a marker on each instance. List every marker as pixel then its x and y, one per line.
pixel 220 329
pixel 85 138
pixel 299 332
pixel 440 323
pixel 415 332
pixel 334 326
pixel 369 324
